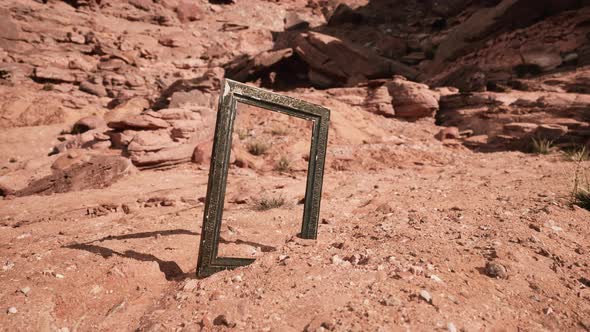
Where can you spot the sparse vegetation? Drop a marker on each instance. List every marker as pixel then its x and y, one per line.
pixel 283 165
pixel 257 148
pixel 242 133
pixel 279 131
pixel 582 198
pixel 581 191
pixel 577 153
pixel 268 203
pixel 541 145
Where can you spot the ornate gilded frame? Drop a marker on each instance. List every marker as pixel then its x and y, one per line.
pixel 232 93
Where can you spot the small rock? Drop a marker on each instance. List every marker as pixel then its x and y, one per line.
pixel 93 89
pixel 222 320
pixel 237 278
pixel 126 209
pixel 25 290
pixel 435 278
pixel 59 276
pixel 337 260
pixel 451 327
pixel 12 310
pixel 190 285
pixel 496 270
pixel 448 133
pixel 426 296
pixel 535 227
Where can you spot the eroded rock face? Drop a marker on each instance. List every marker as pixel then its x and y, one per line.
pixel 512 119
pixel 334 62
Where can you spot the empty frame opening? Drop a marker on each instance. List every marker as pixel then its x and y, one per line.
pixel 266 182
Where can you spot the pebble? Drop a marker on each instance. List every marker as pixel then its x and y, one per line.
pixel 12 310
pixel 223 321
pixel 190 285
pixel 426 296
pixel 337 260
pixel 59 276
pixel 237 278
pixel 451 327
pixel 435 278
pixel 25 290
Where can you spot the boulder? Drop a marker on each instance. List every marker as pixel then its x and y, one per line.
pixel 127 108
pixel 55 75
pixel 185 129
pixel 412 100
pixel 379 101
pixel 98 172
pixel 375 99
pixel 448 133
pixel 121 139
pixel 88 123
pixel 202 153
pixel 165 157
pixel 550 131
pixel 150 140
pixel 196 91
pixel 342 64
pixel 93 89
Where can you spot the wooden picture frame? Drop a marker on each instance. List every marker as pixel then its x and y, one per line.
pixel 233 93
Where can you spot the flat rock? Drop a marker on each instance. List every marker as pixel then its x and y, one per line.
pixel 56 75
pixel 164 157
pixel 98 172
pixel 88 123
pixel 150 140
pixel 93 89
pixel 139 122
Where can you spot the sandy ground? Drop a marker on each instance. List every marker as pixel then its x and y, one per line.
pixel 399 247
